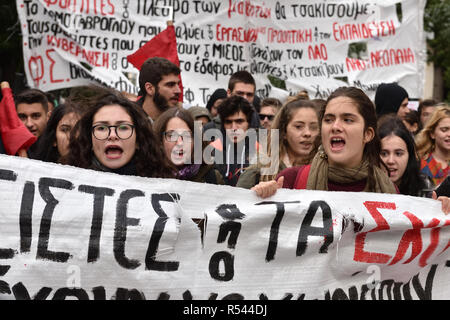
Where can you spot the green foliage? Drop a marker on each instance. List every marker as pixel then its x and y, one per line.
pixel 437 21
pixel 10 27
pixel 276 82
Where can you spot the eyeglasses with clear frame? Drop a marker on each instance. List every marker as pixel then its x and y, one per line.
pixel 172 136
pixel 123 131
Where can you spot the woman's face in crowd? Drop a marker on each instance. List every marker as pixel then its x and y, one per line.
pixel 178 142
pixel 301 132
pixel 441 135
pixel 63 129
pixel 343 135
pixel 394 154
pixel 114 152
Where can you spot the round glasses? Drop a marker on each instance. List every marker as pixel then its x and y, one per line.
pixel 102 131
pixel 172 136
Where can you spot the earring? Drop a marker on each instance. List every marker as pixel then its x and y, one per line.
pixel 322 153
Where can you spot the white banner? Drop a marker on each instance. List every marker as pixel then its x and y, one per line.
pixel 72 233
pixel 312 45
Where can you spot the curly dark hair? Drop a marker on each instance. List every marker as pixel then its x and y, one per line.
pixel 233 105
pixel 149 157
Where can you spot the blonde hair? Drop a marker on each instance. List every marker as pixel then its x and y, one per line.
pixel 301 95
pixel 424 142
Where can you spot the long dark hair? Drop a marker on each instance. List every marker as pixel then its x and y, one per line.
pixel 411 182
pixel 160 125
pixel 149 156
pixel 46 150
pixel 366 109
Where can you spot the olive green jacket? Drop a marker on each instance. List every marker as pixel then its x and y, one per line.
pixel 251 176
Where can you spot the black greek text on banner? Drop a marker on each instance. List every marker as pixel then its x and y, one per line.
pixel 70 233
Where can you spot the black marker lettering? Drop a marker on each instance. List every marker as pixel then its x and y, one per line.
pixel 228 260
pixel 407 291
pixel 229 212
pixel 26 211
pixel 4 270
pixel 187 295
pixel 8 175
pixel 425 293
pixel 163 296
pixel 129 294
pixel 232 228
pixel 120 231
pixel 233 296
pixel 274 228
pixel 99 293
pixel 339 294
pixel 97 218
pixel 150 258
pixel 307 230
pixel 44 232
pixel 63 293
pixel 388 284
pixel 4 287
pixel 21 293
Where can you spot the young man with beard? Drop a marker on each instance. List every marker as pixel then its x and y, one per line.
pixel 159 83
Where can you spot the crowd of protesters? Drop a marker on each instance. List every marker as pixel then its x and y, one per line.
pixel 344 143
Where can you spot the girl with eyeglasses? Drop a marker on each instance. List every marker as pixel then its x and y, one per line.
pixel 115 135
pixel 176 130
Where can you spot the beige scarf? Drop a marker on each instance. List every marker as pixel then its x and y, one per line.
pixel 321 173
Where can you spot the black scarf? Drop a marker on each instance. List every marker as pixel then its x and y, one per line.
pixel 128 170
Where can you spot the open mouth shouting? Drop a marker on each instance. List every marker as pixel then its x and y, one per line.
pixel 113 152
pixel 178 155
pixel 337 144
pixel 392 172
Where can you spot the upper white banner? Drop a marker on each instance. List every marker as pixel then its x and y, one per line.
pixel 312 45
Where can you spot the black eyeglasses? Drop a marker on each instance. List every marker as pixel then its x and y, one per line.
pixel 263 116
pixel 123 131
pixel 172 136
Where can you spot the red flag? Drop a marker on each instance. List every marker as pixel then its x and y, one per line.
pixel 15 135
pixel 163 45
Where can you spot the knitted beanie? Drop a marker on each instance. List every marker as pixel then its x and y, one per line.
pixel 388 98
